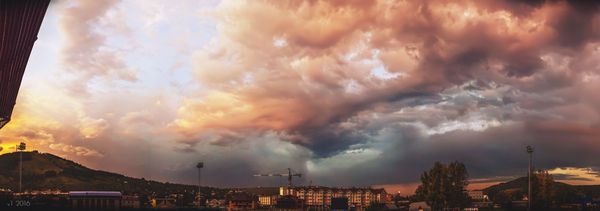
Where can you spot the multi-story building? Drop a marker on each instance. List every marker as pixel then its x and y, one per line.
pixel 267 200
pixel 317 196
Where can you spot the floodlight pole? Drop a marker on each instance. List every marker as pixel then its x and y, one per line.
pixel 21 147
pixel 20 169
pixel 200 165
pixel 529 174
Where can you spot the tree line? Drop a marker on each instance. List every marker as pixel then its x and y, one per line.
pixel 444 186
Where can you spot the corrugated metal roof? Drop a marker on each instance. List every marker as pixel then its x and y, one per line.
pixel 95 194
pixel 20 22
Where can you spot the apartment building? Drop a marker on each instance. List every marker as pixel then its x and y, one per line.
pixel 318 196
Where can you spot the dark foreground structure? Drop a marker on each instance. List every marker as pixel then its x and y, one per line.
pixel 95 200
pixel 20 22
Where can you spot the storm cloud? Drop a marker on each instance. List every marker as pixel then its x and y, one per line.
pixel 373 90
pixel 469 81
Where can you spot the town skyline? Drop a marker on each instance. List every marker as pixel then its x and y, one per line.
pixel 376 91
pixel 475 184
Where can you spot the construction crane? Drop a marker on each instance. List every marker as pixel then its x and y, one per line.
pixel 289 175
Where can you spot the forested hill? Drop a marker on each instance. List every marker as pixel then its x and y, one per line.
pixel 44 171
pixel 518 187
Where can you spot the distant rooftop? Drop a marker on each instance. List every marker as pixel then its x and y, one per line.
pixel 95 194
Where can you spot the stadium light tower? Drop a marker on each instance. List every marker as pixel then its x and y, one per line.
pixel 200 165
pixel 530 152
pixel 21 147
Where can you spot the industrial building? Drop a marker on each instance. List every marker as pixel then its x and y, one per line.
pixel 95 200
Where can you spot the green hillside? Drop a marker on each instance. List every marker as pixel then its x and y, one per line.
pixel 43 171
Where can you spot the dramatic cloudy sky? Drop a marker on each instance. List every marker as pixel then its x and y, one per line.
pixel 349 93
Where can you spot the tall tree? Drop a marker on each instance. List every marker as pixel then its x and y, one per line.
pixel 444 186
pixel 543 191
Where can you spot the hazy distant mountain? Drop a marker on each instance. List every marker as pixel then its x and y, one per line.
pixel 43 171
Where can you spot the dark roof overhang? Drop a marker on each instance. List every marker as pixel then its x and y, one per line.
pixel 20 22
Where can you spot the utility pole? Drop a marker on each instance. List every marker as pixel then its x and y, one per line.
pixel 200 165
pixel 529 174
pixel 21 148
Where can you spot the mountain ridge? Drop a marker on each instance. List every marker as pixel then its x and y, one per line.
pixel 45 171
pixel 519 186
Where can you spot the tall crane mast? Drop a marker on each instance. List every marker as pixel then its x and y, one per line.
pixel 289 176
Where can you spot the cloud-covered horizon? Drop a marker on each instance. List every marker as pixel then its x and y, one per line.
pixel 375 91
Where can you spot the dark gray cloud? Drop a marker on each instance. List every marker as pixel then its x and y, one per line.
pixel 495 152
pixel 478 81
pixel 353 92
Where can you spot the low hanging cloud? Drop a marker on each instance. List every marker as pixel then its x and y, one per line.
pixel 77 150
